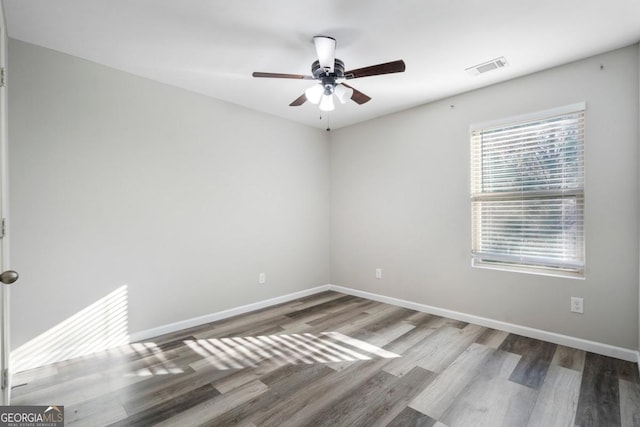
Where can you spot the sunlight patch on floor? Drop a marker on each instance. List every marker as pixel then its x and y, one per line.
pixel 246 352
pixel 155 360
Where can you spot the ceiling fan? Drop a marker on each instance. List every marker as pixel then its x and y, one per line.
pixel 329 71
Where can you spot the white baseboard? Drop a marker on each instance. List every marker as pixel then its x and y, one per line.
pixel 568 341
pixel 579 343
pixel 594 347
pixel 197 321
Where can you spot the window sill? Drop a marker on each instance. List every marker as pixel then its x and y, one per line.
pixel 516 268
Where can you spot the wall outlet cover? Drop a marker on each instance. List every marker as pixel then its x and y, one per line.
pixel 577 305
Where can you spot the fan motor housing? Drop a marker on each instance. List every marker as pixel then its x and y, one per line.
pixel 328 79
pixel 319 72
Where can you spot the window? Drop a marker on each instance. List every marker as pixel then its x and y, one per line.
pixel 527 193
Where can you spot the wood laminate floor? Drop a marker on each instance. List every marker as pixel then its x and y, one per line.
pixel 337 360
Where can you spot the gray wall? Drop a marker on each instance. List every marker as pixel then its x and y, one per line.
pixel 400 202
pixel 120 180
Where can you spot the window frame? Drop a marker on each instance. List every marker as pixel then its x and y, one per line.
pixel 506 263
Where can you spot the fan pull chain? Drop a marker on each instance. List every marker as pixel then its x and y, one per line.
pixel 328 129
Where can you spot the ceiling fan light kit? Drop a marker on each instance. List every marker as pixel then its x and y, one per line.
pixel 314 94
pixel 327 71
pixel 326 104
pixel 343 93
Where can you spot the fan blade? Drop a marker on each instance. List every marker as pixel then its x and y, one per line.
pixel 298 101
pixel 282 76
pixel 357 97
pixel 326 50
pixel 375 70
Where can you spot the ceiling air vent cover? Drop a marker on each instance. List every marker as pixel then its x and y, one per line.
pixel 494 64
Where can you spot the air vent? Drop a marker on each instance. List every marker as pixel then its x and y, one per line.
pixel 485 67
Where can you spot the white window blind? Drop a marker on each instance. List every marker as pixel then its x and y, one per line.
pixel 527 193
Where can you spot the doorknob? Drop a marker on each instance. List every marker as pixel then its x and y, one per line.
pixel 8 277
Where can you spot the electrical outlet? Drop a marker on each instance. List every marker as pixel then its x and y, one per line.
pixel 262 278
pixel 577 305
pixel 378 273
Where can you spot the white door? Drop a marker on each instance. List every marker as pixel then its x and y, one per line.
pixel 6 277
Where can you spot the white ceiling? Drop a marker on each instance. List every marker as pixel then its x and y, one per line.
pixel 212 47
